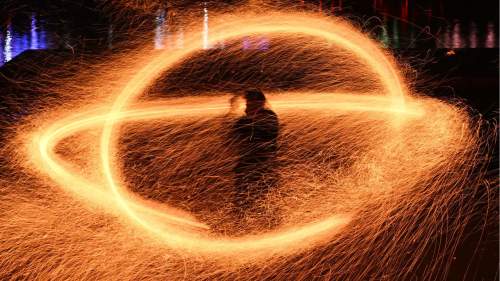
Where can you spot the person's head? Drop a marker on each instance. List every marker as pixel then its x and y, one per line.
pixel 255 100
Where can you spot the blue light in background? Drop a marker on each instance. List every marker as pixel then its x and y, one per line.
pixel 14 43
pixel 34 33
pixel 7 50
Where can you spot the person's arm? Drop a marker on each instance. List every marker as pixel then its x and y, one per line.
pixel 272 126
pixel 275 126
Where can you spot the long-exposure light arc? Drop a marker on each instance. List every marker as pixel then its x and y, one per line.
pixel 368 53
pixel 361 173
pixel 44 145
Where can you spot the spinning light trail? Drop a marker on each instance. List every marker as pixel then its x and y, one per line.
pixel 258 25
pixel 404 162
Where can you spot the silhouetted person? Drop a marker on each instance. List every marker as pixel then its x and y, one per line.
pixel 256 133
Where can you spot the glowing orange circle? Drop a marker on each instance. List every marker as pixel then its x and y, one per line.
pixel 281 241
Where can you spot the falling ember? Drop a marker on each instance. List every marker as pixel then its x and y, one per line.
pixel 368 176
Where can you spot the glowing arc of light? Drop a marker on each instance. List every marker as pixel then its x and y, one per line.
pixel 269 24
pixel 45 142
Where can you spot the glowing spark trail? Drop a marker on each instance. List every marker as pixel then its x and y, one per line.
pixel 362 173
pixel 273 24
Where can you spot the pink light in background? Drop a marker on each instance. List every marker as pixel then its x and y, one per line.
pixel 490 36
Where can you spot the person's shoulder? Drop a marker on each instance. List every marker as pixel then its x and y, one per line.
pixel 243 119
pixel 270 116
pixel 268 112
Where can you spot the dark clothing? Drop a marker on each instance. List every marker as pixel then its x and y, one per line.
pixel 257 140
